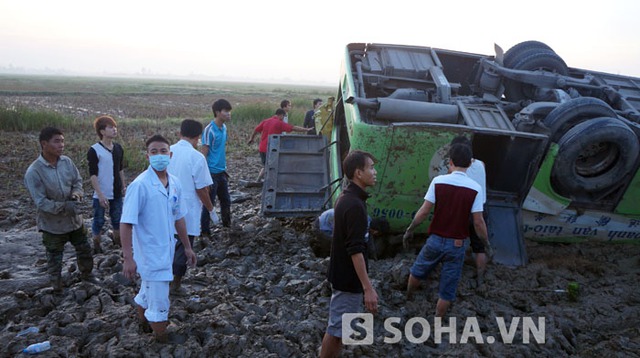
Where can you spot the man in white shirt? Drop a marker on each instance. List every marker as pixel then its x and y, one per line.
pixel 153 210
pixel 476 171
pixel 190 167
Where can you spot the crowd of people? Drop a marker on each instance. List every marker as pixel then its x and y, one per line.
pixel 158 215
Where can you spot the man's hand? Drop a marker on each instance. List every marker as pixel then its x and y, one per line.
pixel 371 300
pixel 214 217
pixel 408 235
pixel 191 257
pixel 488 250
pixel 104 202
pixel 129 269
pixel 250 141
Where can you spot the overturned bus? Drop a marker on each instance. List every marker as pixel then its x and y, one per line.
pixel 560 144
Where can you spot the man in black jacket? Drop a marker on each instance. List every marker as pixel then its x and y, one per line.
pixel 348 264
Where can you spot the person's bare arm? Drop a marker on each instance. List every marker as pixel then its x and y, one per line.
pixel 204 149
pixel 129 266
pixel 370 294
pixel 181 229
pixel 301 129
pixel 253 136
pixel 421 216
pixel 96 187
pixel 124 185
pixel 481 227
pixel 203 195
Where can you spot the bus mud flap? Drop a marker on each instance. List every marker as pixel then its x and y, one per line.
pixel 504 223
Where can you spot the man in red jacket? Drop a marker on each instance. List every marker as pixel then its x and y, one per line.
pixel 269 126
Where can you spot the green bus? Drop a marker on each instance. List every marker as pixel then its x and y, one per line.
pixel 560 144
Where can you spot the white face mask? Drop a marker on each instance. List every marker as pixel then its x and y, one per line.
pixel 159 162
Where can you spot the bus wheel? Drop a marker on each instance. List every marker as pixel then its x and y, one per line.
pixel 577 110
pixel 593 156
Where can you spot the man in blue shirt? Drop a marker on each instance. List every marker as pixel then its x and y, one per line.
pixel 214 142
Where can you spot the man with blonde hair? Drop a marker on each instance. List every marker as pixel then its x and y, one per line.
pixel 106 171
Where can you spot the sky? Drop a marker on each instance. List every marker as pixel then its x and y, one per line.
pixel 299 41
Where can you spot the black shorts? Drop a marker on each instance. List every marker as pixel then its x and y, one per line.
pixel 477 245
pixel 263 157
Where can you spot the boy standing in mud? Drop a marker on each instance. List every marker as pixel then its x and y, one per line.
pixel 55 185
pixel 454 197
pixel 153 209
pixel 106 172
pixel 214 146
pixel 190 167
pixel 347 274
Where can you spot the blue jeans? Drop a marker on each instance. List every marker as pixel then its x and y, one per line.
pixel 115 212
pixel 439 249
pixel 220 189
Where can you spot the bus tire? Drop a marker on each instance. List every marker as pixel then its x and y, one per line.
pixel 533 60
pixel 593 156
pixel 577 110
pixel 514 54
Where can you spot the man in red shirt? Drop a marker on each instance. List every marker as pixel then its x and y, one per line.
pixel 269 126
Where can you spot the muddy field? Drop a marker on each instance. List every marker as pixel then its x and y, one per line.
pixel 258 289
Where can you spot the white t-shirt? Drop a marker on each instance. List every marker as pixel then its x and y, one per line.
pixel 190 167
pixel 458 179
pixel 477 173
pixel 153 210
pixel 105 171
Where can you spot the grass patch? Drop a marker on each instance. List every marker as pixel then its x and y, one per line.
pixel 21 118
pixel 142 108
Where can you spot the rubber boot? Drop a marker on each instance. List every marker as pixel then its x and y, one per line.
pixel 160 331
pixel 142 320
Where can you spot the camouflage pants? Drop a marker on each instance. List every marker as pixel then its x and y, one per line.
pixel 54 243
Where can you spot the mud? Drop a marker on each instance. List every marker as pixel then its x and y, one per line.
pixel 259 290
